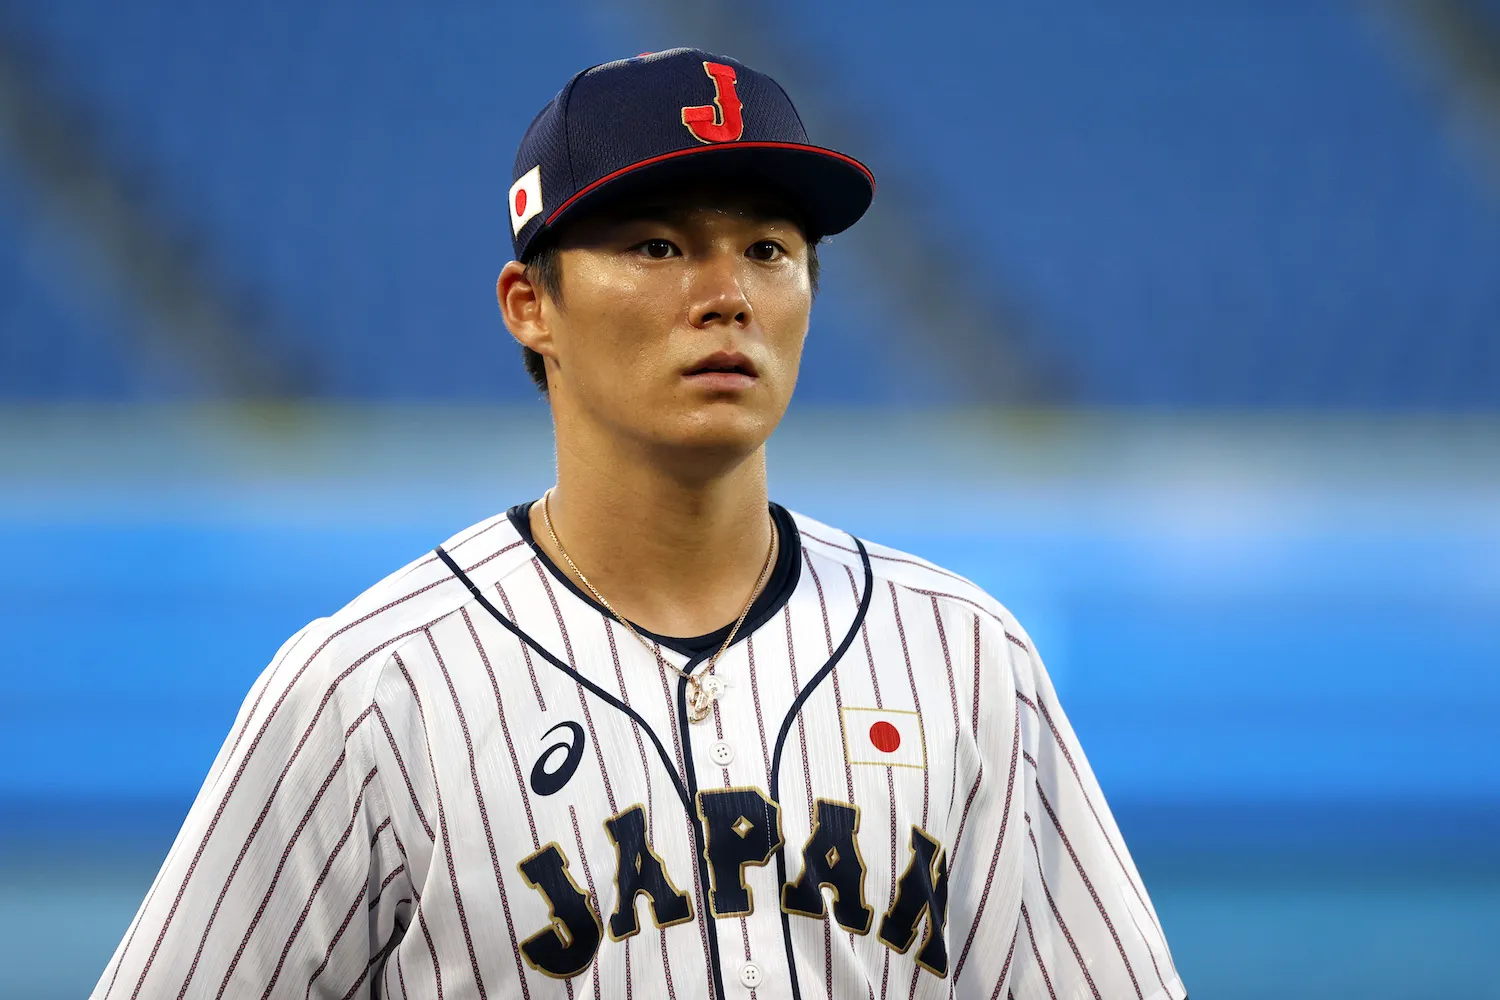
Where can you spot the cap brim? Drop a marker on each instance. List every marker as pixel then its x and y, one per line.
pixel 833 190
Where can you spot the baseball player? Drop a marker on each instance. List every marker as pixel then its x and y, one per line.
pixel 651 734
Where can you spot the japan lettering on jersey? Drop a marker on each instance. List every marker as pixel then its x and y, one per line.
pixel 471 782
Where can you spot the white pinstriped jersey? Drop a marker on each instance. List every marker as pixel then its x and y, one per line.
pixel 478 785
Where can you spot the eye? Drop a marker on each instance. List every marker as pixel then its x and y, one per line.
pixel 657 249
pixel 765 250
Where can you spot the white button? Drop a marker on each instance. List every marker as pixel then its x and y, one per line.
pixel 722 753
pixel 750 975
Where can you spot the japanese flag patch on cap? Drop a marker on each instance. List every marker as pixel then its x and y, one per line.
pixel 884 736
pixel 525 198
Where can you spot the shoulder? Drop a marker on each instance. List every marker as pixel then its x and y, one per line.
pixel 341 654
pixel 895 568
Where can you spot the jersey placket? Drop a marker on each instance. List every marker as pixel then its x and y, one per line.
pixel 726 762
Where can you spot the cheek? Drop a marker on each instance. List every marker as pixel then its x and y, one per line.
pixel 615 327
pixel 786 329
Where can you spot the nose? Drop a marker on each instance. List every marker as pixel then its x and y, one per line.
pixel 719 295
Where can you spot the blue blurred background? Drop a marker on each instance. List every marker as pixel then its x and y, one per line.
pixel 1175 324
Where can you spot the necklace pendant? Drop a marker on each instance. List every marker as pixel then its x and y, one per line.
pixel 701 696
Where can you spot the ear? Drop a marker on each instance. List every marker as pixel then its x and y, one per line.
pixel 521 307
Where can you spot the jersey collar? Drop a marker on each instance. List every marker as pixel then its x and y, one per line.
pixel 778 590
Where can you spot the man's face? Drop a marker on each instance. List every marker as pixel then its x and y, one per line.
pixel 682 320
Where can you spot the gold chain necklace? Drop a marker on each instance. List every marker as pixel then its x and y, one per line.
pixel 701 695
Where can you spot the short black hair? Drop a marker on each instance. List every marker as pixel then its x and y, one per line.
pixel 544 270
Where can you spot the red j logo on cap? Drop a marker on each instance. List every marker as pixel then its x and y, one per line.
pixel 719 121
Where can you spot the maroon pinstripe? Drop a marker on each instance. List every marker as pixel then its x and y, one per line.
pixel 484 816
pixel 953 700
pixel 838 696
pixel 385 970
pixel 411 790
pixel 1040 709
pixel 406 860
pixel 760 719
pixel 338 765
pixel 791 656
pixel 765 750
pixel 916 701
pixel 698 891
pixel 666 693
pixel 822 603
pixel 260 695
pixel 989 879
pixel 270 797
pixel 1149 950
pixel 312 896
pixel 719 733
pixel 628 980
pixel 963 819
pixel 375 839
pixel 884 558
pixel 635 727
pixel 583 701
pixel 437 969
pixel 332 943
pixel 234 869
pixel 1088 884
pixel 1010 953
pixel 977 607
pixel 510 746
pixel 494 523
pixel 1041 966
pixel 363 973
pixel 977 656
pixel 1062 925
pixel 401 973
pixel 429 560
pixel 838 702
pixel 375 900
pixel 510 612
pixel 588 879
pixel 437 794
pixel 136 923
pixel 890 780
pixel 541 575
pixel 640 745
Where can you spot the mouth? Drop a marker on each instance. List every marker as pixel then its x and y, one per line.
pixel 723 370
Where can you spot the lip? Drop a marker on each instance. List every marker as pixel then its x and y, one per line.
pixel 723 370
pixel 721 381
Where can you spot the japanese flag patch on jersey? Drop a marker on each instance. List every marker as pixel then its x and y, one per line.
pixel 887 736
pixel 525 198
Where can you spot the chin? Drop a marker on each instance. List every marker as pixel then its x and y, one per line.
pixel 717 432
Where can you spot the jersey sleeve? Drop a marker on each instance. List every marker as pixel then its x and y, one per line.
pixel 266 890
pixel 1086 927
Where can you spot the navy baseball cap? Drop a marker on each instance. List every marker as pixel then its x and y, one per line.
pixel 664 116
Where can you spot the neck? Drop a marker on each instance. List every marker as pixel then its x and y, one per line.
pixel 676 555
